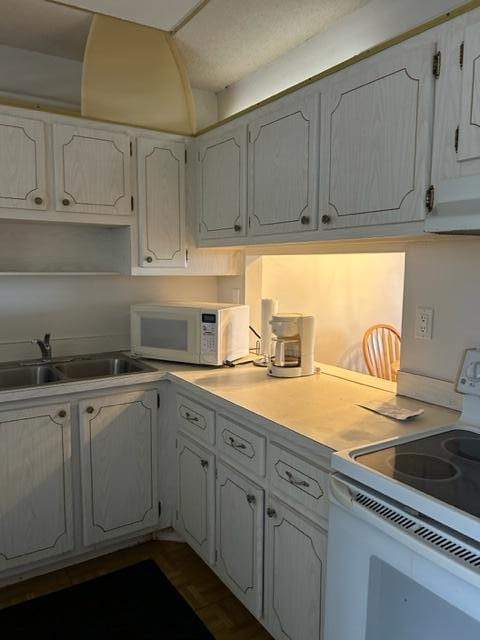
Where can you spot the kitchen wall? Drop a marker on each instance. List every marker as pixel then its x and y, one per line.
pixel 346 293
pixel 443 275
pixel 377 21
pixel 84 314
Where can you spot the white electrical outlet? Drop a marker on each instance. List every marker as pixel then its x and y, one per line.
pixel 424 323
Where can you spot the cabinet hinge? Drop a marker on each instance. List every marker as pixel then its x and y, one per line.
pixel 460 57
pixel 198 156
pixel 176 444
pixel 132 204
pixel 159 509
pixel 186 255
pixel 176 515
pixel 437 63
pixel 249 136
pixel 185 156
pixel 216 474
pixel 131 149
pixel 457 136
pixel 430 198
pixel 216 555
pixel 249 222
pixel 158 400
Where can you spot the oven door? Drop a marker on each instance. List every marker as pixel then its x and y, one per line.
pixel 389 576
pixel 166 334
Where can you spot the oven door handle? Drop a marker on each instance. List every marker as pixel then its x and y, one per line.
pixel 341 492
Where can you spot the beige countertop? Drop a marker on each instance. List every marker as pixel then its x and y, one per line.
pixel 321 407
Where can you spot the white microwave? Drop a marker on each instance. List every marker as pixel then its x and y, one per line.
pixel 201 333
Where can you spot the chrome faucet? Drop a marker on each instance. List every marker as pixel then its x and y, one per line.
pixel 45 347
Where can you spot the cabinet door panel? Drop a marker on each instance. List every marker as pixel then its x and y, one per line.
pixel 119 469
pixel 22 164
pixel 196 495
pixel 239 523
pixel 35 480
pixel 92 170
pixel 377 133
pixel 222 185
pixel 282 169
pixel 469 134
pixel 296 552
pixel 161 203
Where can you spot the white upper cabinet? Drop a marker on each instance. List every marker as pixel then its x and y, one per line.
pixel 118 464
pixel 92 170
pixel 36 518
pixel 456 147
pixel 376 139
pixel 161 202
pixel 221 184
pixel 23 182
pixel 282 168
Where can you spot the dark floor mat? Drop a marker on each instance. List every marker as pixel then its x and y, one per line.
pixel 136 602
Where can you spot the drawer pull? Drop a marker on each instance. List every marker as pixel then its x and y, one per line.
pixel 235 444
pixel 295 481
pixel 90 409
pixel 191 418
pixel 271 513
pixel 251 498
pixel 62 413
pixel 204 463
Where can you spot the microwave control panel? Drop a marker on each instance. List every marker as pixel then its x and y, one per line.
pixel 209 337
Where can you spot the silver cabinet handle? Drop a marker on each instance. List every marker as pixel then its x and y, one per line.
pixel 295 481
pixel 251 498
pixel 204 463
pixel 271 513
pixel 189 416
pixel 235 444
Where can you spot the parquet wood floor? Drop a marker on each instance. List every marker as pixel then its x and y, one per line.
pixel 224 615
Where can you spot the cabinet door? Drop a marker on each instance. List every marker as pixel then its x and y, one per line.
pixel 92 170
pixel 22 164
pixel 118 464
pixel 239 524
pixel 469 133
pixel 196 497
pixel 36 484
pixel 282 170
pixel 377 139
pixel 295 559
pixel 161 203
pixel 222 186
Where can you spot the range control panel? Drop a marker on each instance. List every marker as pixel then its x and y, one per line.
pixel 469 378
pixel 209 337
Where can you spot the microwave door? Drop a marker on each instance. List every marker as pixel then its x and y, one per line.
pixel 166 335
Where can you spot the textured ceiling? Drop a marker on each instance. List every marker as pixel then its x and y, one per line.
pixel 228 39
pixel 225 41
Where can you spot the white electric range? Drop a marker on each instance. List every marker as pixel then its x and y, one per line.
pixel 404 533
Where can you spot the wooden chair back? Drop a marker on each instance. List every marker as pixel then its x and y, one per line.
pixel 381 350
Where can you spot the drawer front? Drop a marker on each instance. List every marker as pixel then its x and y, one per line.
pixel 195 419
pixel 298 479
pixel 241 445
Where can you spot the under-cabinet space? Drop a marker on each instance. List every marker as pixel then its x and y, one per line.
pixel 118 453
pixel 23 180
pixel 36 510
pixel 239 523
pixel 295 553
pixel 195 513
pixel 40 247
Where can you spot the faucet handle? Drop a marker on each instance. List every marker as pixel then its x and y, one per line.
pixel 46 338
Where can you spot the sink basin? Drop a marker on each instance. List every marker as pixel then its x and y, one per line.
pixel 82 369
pixel 28 376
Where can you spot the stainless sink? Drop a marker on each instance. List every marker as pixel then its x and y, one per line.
pixel 28 376
pixel 81 369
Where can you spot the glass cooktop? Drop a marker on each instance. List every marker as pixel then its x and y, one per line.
pixel 445 466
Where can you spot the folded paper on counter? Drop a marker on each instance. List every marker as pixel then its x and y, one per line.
pixel 391 410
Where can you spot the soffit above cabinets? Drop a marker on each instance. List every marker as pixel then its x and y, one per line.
pixel 165 15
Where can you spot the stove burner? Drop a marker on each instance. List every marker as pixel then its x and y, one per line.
pixel 464 447
pixel 424 467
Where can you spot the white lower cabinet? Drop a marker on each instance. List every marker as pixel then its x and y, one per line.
pixel 295 552
pixel 196 496
pixel 36 484
pixel 239 535
pixel 118 435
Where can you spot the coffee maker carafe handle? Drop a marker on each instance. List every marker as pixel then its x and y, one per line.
pixel 280 353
